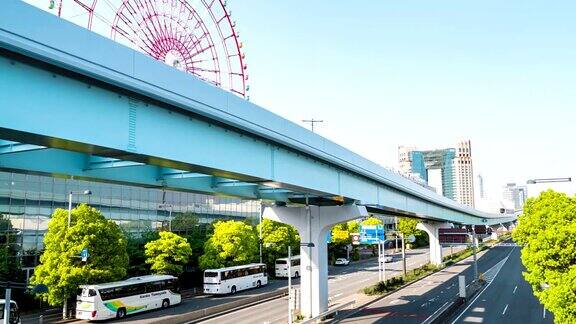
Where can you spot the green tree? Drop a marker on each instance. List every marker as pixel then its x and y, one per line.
pixel 233 243
pixel 372 221
pixel 135 248
pixel 168 254
pixel 184 222
pixel 547 232
pixel 276 237
pixel 188 225
pixel 61 268
pixel 407 226
pixel 10 265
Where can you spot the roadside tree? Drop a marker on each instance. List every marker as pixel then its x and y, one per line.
pixel 188 225
pixel 233 243
pixel 168 254
pixel 276 237
pixel 62 269
pixel 547 232
pixel 407 226
pixel 136 252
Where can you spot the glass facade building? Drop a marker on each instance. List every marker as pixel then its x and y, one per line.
pixel 422 161
pixel 28 201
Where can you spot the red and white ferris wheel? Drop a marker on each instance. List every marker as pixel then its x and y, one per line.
pixel 195 36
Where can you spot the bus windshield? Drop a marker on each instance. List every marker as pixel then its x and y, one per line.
pixel 210 274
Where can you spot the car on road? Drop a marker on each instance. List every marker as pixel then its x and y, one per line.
pixel 342 261
pixel 387 258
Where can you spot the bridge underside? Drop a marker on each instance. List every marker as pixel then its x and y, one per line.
pixel 63 124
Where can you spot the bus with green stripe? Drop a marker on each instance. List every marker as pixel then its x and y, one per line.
pixel 121 298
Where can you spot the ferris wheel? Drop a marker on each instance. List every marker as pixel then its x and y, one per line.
pixel 195 36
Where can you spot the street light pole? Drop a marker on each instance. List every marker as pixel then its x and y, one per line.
pixel 290 320
pixel 170 208
pixel 403 254
pixel 85 192
pixel 260 235
pixel 474 240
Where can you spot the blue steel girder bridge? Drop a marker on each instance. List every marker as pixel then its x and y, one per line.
pixel 75 104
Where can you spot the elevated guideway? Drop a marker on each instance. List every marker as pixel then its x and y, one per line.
pixel 76 104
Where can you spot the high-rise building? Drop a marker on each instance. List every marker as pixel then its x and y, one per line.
pixel 463 174
pixel 481 186
pixel 515 194
pixel 455 165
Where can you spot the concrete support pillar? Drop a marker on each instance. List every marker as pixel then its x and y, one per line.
pixel 313 224
pixel 435 247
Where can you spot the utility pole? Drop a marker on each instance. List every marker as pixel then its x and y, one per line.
pixel 312 122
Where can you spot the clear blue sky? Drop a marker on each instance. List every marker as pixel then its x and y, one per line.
pixel 425 73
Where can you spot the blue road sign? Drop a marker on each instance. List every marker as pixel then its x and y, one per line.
pixel 372 234
pixel 84 254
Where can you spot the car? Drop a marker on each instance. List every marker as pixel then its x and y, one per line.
pixel 387 258
pixel 342 261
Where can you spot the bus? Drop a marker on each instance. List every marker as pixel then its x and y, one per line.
pixel 121 298
pixel 281 268
pixel 14 312
pixel 233 279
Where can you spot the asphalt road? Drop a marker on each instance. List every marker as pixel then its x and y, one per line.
pixel 419 301
pixel 508 299
pixel 342 282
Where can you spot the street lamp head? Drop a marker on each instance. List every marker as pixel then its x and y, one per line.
pixel 87 192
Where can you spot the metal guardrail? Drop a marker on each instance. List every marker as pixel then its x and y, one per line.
pixel 334 311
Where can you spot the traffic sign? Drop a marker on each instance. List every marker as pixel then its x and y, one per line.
pixel 411 239
pixel 84 254
pixel 372 234
pixel 355 238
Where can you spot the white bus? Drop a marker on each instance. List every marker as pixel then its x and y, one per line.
pixel 281 268
pixel 121 298
pixel 233 279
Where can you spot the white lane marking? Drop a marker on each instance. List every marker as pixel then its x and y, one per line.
pixel 395 301
pixel 515 287
pixel 505 309
pixel 482 291
pixel 543 312
pixel 429 317
pixel 337 295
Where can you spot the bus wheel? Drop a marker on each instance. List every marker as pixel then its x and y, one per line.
pixel 233 290
pixel 121 313
pixel 165 303
pixel 258 284
pixel 296 274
